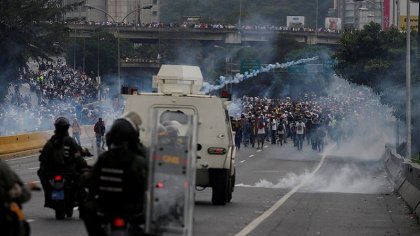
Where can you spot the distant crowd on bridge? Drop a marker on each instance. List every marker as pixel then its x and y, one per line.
pixel 212 26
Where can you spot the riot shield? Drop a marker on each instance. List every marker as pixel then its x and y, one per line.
pixel 172 160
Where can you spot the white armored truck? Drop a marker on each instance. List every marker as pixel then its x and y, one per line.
pixel 178 94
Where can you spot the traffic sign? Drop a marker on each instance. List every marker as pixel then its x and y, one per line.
pixel 296 69
pixel 250 64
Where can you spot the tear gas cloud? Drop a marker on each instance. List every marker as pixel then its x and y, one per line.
pixel 348 178
pixel 367 126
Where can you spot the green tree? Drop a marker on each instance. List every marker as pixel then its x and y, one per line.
pixel 99 49
pixel 29 29
pixel 371 56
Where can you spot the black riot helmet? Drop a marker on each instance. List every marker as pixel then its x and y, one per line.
pixel 124 130
pixel 61 125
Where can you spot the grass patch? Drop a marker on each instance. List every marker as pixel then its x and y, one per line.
pixel 416 159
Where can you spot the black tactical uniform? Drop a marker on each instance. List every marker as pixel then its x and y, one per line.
pixel 13 193
pixel 117 182
pixel 60 155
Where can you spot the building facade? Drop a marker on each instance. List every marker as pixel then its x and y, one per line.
pixel 138 12
pixel 388 13
pixel 356 14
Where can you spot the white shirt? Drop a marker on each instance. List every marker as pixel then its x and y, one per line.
pixel 302 130
pixel 274 125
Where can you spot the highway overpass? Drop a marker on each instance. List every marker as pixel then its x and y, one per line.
pixel 227 36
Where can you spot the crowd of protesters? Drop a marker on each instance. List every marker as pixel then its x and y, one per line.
pixel 204 26
pixel 310 119
pixel 279 121
pixel 53 89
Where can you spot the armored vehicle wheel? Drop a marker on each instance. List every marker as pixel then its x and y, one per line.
pixel 59 214
pixel 220 185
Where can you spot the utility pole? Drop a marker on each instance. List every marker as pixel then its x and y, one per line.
pixel 408 83
pixel 316 23
pixel 240 14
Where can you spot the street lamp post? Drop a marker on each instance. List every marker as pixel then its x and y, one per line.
pixel 118 35
pixel 316 16
pixel 408 83
pixel 240 14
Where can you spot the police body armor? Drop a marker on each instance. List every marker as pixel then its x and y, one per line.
pixel 116 183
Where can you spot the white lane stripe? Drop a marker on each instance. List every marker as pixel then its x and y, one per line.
pixel 33 168
pixel 259 150
pixel 242 161
pixel 257 221
pixel 267 171
pixel 251 155
pixel 20 158
pixel 30 220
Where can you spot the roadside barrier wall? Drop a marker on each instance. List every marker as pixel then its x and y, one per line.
pixel 405 176
pixel 410 189
pixel 34 141
pixel 394 164
pixel 23 142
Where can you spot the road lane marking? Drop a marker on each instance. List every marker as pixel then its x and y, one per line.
pixel 257 221
pixel 33 168
pixel 251 155
pixel 259 150
pixel 20 158
pixel 267 171
pixel 242 161
pixel 30 220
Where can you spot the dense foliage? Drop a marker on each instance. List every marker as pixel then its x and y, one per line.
pixel 27 31
pixel 97 54
pixel 372 56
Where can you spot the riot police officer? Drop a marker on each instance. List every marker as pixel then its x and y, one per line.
pixel 13 192
pixel 60 155
pixel 117 182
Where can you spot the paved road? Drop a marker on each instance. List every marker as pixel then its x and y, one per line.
pixel 279 191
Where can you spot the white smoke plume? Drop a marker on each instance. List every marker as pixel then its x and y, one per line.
pixel 349 178
pixel 247 75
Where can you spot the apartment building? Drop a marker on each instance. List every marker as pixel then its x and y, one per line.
pixel 127 11
pixel 388 13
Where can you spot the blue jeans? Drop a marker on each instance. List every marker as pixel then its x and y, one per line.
pixel 299 138
pixel 98 140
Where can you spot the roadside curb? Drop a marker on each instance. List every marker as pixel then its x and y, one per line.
pixel 19 154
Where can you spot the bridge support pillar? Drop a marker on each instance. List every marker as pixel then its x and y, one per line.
pixel 233 38
pixel 311 39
